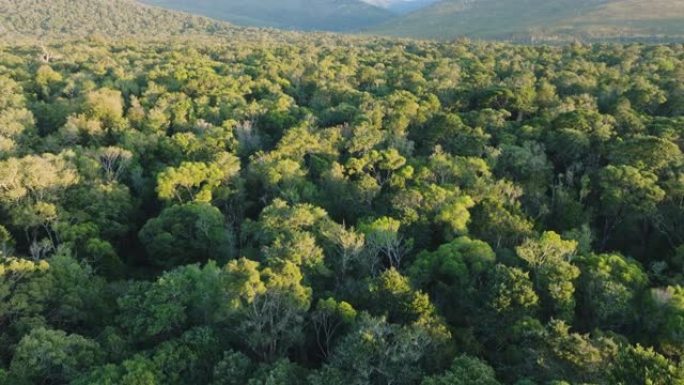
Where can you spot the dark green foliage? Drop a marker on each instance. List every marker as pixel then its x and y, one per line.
pixel 233 369
pixel 464 371
pixel 639 365
pixel 52 356
pixel 191 232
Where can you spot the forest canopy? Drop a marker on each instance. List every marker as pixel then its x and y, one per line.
pixel 339 211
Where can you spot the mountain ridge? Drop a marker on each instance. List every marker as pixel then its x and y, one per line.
pixel 329 15
pixel 539 19
pixel 401 6
pixel 517 20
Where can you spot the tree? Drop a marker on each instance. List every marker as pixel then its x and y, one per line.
pixel 666 307
pixel 346 252
pixel 291 233
pixel 637 365
pixel 191 232
pixel 137 370
pixel 47 81
pixel 188 359
pixel 625 187
pixel 645 95
pixel 196 181
pixel 105 105
pixel 234 368
pixel 191 181
pixel 108 207
pixel 21 304
pixel 464 371
pixel 75 296
pixel 178 300
pixel 269 305
pixel 6 243
pixel 114 162
pixel 52 356
pixel 394 298
pixel 17 124
pixel 450 132
pixel 59 292
pixel 381 353
pixel 647 153
pixel 330 319
pixel 282 371
pixel 610 289
pixel 452 275
pixel 575 357
pixel 383 239
pixel 498 225
pixel 529 166
pixel 550 259
pixel 627 192
pixel 79 129
pixel 282 178
pixel 30 187
pixel 387 168
pixel 433 213
pixel 511 294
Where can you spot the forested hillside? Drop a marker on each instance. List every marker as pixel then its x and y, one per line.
pixel 110 18
pixel 341 212
pixel 328 15
pixel 535 21
pixel 401 6
pixel 543 20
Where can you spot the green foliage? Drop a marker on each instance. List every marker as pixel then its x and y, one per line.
pixel 233 369
pixel 269 305
pixel 667 306
pixel 384 240
pixel 186 233
pixel 52 356
pixel 452 273
pixel 639 365
pixel 378 352
pixel 512 293
pixel 550 258
pixel 611 287
pixel 399 208
pixel 464 370
pixel 330 319
pixel 628 188
pixel 281 372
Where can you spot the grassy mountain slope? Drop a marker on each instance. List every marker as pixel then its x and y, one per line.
pixel 112 18
pixel 543 19
pixel 401 6
pixel 330 15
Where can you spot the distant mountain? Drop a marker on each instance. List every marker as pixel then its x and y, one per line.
pixel 113 18
pixel 542 19
pixel 401 6
pixel 328 15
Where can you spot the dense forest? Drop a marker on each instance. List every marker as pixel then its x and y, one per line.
pixel 66 19
pixel 335 211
